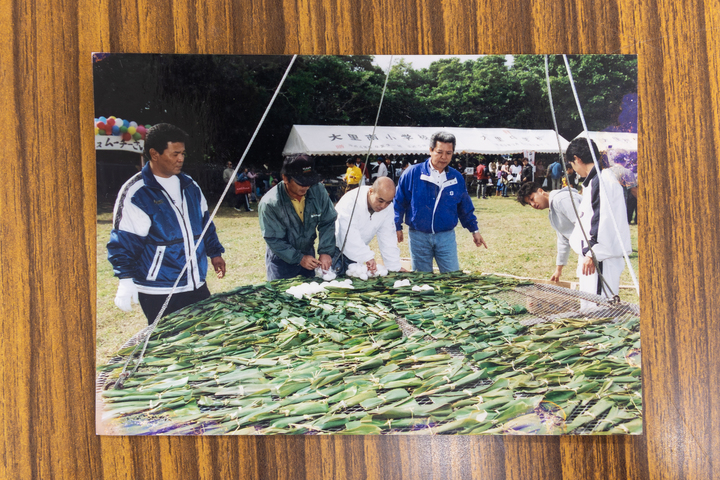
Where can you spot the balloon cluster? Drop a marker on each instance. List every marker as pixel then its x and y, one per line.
pixel 119 127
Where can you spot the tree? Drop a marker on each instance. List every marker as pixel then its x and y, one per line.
pixel 601 82
pixel 404 105
pixel 219 100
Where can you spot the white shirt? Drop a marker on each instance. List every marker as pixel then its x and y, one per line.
pixel 562 219
pixel 382 171
pixel 438 178
pixel 172 187
pixel 364 227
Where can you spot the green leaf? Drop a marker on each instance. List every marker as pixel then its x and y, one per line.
pixel 361 430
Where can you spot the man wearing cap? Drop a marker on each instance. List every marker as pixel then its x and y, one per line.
pixel 292 214
pixel 159 216
pixel 431 197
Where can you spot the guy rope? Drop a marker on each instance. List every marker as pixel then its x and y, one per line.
pixel 125 375
pixel 601 279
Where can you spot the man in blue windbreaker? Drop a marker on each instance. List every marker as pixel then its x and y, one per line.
pixel 431 197
pixel 159 216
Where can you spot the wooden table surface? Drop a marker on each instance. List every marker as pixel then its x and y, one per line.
pixel 47 220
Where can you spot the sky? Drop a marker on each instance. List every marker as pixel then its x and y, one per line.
pixel 423 61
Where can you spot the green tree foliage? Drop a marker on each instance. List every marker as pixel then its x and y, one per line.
pixel 219 100
pixel 331 90
pixel 601 82
pixel 402 105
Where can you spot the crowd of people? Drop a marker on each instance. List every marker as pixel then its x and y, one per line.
pixel 357 174
pixel 256 182
pixel 161 212
pixel 503 177
pixel 429 197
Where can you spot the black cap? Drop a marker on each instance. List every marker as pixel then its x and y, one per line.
pixel 301 168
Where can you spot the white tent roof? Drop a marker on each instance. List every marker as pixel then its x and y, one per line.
pixel 355 140
pixel 614 140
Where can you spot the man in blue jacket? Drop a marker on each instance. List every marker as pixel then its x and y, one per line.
pixel 159 216
pixel 430 199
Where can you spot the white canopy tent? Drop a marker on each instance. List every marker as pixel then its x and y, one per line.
pixel 355 140
pixel 615 140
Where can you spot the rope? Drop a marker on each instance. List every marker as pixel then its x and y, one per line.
pixel 601 279
pixel 124 375
pixel 597 167
pixel 367 155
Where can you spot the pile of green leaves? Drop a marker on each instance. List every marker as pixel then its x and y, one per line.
pixel 258 361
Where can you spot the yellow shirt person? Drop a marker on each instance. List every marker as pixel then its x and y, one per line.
pixel 352 176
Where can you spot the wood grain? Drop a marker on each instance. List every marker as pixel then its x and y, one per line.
pixel 47 221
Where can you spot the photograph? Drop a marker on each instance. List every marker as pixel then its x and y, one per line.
pixel 367 245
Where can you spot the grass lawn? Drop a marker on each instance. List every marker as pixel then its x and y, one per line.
pixel 520 242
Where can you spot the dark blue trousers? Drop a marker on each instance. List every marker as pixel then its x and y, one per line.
pixel 278 268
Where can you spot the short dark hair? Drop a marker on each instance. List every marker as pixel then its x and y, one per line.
pixel 158 137
pixel 525 190
pixel 350 161
pixel 579 148
pixel 443 137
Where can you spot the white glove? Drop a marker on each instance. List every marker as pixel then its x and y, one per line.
pixel 126 294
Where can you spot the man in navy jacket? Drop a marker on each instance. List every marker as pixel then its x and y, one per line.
pixel 601 236
pixel 159 216
pixel 431 197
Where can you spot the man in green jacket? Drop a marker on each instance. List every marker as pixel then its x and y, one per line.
pixel 290 214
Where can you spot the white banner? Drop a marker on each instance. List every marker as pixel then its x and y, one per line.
pixel 615 140
pixel 115 142
pixel 355 140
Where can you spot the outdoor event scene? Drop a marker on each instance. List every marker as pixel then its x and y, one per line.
pixel 367 245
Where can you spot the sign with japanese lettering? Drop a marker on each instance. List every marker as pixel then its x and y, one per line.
pixel 358 140
pixel 116 142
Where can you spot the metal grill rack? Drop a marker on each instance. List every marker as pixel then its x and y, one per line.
pixel 544 304
pixel 590 426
